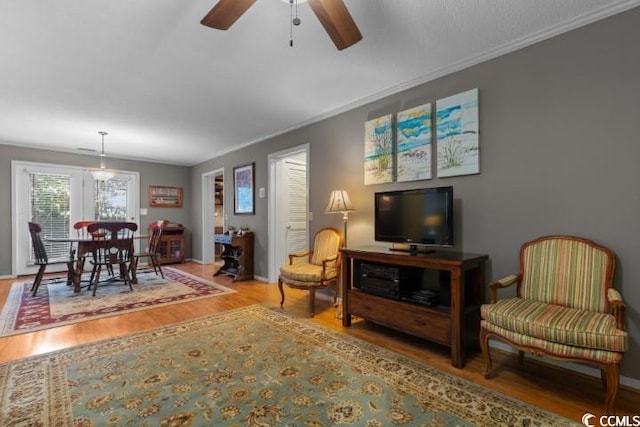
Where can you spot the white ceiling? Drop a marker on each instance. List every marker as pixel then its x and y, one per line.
pixel 170 90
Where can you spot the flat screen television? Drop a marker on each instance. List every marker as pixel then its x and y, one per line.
pixel 422 217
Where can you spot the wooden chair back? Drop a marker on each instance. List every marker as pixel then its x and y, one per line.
pixel 112 229
pixel 39 251
pixel 81 229
pixel 156 233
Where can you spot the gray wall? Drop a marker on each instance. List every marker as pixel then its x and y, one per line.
pixel 560 151
pixel 150 174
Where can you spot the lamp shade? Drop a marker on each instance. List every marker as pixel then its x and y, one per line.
pixel 339 202
pixel 102 174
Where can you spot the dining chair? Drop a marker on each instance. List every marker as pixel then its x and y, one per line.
pixel 81 233
pixel 117 249
pixel 152 250
pixel 42 260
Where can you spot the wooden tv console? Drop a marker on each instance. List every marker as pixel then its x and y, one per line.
pixel 458 277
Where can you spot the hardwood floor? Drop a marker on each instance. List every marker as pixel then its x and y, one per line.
pixel 550 388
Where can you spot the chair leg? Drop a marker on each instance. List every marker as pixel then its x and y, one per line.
pixel 156 263
pixel 612 380
pixel 312 301
pixel 70 271
pixel 96 278
pixel 125 274
pixel 38 279
pixel 281 292
pixel 484 346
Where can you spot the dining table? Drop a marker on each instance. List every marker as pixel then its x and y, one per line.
pixel 86 245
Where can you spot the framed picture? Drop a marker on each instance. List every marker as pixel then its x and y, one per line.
pixel 457 129
pixel 413 130
pixel 165 197
pixel 378 150
pixel 243 189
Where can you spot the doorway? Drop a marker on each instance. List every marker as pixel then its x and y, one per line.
pixel 288 205
pixel 218 211
pixel 213 213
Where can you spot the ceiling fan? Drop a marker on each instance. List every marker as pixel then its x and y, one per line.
pixel 332 14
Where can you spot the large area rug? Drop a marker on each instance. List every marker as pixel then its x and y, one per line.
pixel 55 303
pixel 246 367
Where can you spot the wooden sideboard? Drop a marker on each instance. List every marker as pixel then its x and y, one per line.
pixel 171 246
pixel 379 285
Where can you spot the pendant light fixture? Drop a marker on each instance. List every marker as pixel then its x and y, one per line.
pixel 102 174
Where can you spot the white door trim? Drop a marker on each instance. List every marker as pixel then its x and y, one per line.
pixel 80 209
pixel 208 225
pixel 272 161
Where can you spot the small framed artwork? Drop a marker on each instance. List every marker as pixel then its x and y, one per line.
pixel 165 197
pixel 243 189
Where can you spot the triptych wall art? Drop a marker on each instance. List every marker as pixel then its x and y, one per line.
pixel 457 142
pixel 378 150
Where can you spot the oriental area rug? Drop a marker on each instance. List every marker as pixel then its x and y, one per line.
pixel 253 367
pixel 55 304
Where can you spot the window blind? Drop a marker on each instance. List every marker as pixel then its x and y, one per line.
pixel 49 202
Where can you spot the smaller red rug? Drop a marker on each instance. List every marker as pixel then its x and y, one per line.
pixel 57 305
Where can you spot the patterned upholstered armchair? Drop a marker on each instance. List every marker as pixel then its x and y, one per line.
pixel 565 308
pixel 314 269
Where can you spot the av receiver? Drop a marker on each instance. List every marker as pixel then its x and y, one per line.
pixel 378 279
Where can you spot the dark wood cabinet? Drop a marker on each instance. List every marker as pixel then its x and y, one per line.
pixel 385 287
pixel 171 247
pixel 237 255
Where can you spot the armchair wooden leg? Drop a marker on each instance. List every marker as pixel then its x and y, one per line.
pixel 484 346
pixel 612 379
pixel 312 301
pixel 281 292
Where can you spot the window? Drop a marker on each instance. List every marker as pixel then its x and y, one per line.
pixel 110 199
pixel 49 200
pixel 56 197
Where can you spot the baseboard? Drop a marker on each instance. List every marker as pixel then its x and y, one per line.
pixel 262 279
pixel 8 276
pixel 575 367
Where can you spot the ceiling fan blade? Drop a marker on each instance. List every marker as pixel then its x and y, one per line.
pixel 225 13
pixel 337 22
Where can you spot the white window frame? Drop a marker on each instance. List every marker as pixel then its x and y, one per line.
pixel 82 205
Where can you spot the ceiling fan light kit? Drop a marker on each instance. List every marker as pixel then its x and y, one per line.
pixel 102 174
pixel 332 14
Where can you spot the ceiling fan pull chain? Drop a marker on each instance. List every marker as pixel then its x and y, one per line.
pixel 291 23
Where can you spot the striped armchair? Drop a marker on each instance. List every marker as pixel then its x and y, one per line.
pixel 564 308
pixel 316 269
